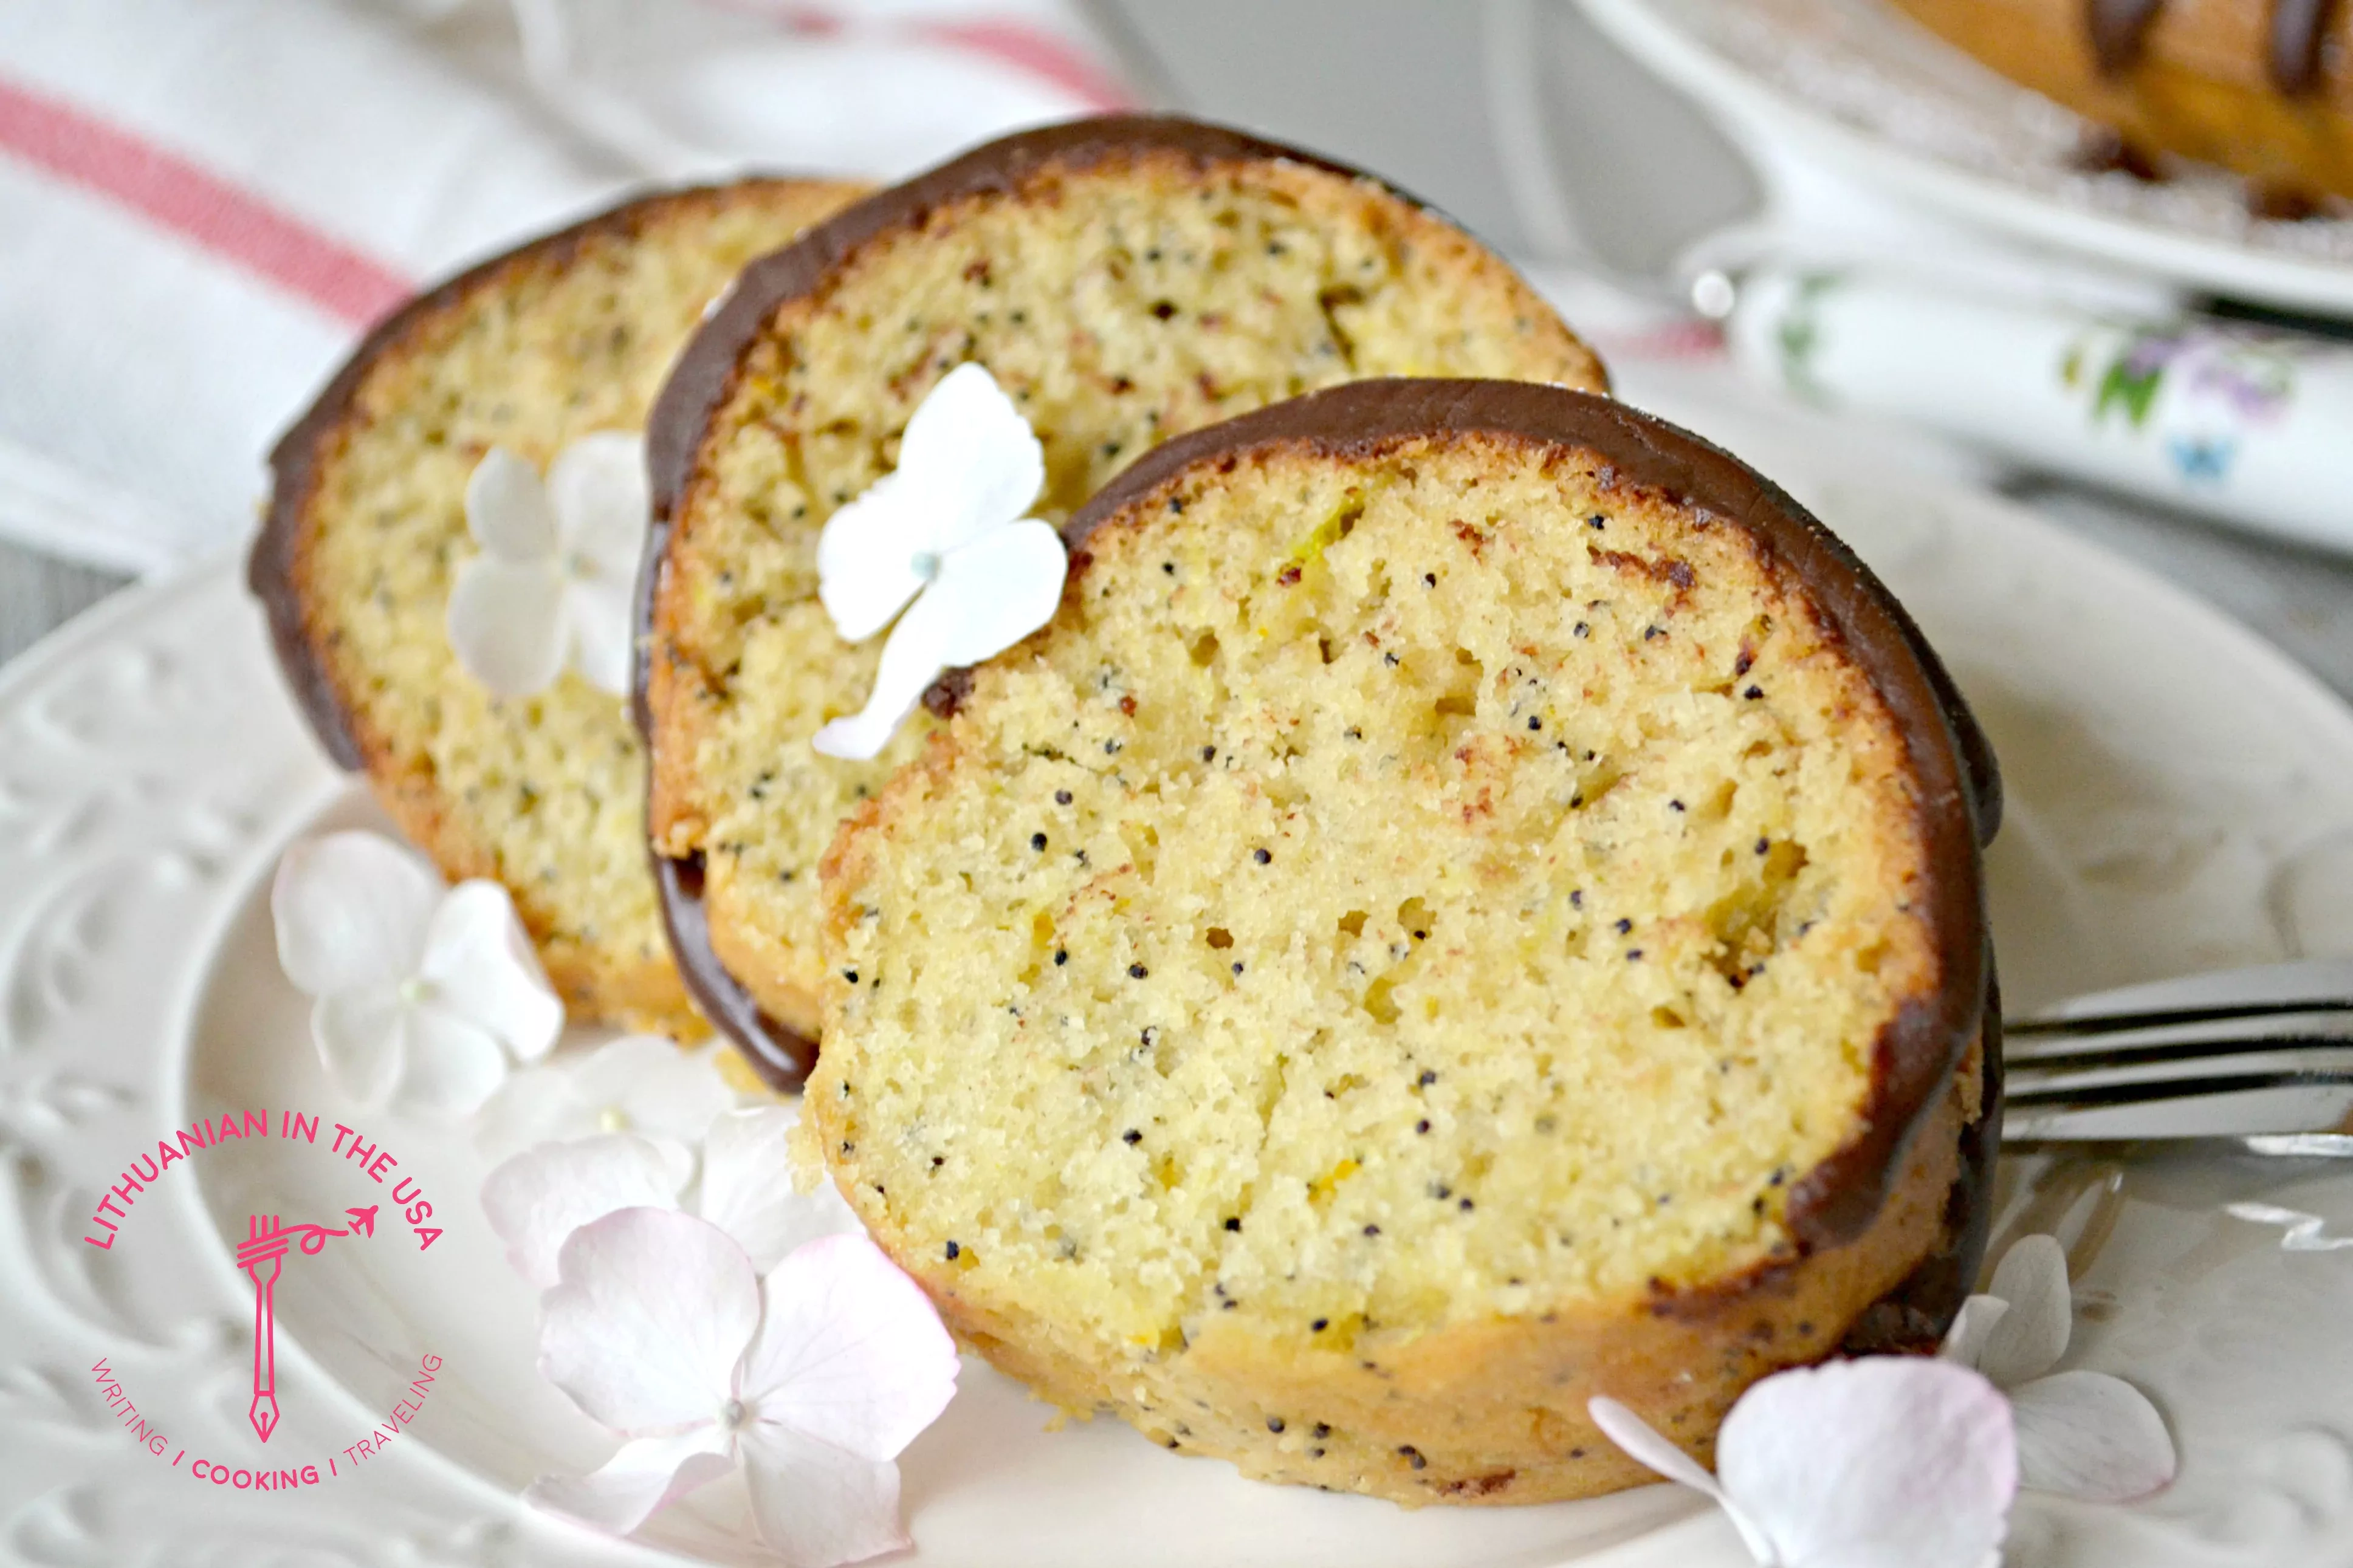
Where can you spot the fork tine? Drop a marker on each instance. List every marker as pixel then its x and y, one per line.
pixel 2166 1017
pixel 2142 1091
pixel 2069 1054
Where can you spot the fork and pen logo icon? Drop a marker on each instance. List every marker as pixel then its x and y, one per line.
pixel 262 1255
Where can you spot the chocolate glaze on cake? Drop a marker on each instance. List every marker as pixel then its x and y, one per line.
pixel 706 371
pixel 2119 30
pixel 272 567
pixel 1952 765
pixel 780 1056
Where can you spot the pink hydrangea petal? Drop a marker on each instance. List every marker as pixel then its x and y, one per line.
pixel 351 912
pixel 747 1187
pixel 361 1041
pixel 599 492
pixel 1646 1447
pixel 479 966
pixel 651 1314
pixel 536 1200
pixel 1643 1445
pixel 849 1351
pixel 2086 1434
pixel 448 1065
pixel 816 1506
pixel 505 624
pixel 1965 1342
pixel 2033 1335
pixel 507 510
pixel 645 1477
pixel 1860 1463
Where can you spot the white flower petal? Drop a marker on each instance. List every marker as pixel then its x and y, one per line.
pixel 989 595
pixel 849 1351
pixel 747 1187
pixel 647 1084
pixel 866 556
pixel 2090 1436
pixel 652 1313
pixel 1965 1342
pixel 996 590
pixel 506 624
pixel 480 967
pixel 361 1041
pixel 2033 1335
pixel 448 1065
pixel 912 659
pixel 968 465
pixel 968 446
pixel 1858 1464
pixel 816 1505
pixel 603 504
pixel 1644 1446
pixel 600 619
pixel 507 511
pixel 646 1475
pixel 351 911
pixel 536 1200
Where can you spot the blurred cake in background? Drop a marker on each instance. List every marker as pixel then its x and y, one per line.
pixel 2263 88
pixel 561 341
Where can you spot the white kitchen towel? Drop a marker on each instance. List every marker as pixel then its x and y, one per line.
pixel 202 203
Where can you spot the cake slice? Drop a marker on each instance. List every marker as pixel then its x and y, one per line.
pixel 1473 903
pixel 1124 279
pixel 566 337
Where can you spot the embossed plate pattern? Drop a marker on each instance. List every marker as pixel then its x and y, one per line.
pixel 2180 799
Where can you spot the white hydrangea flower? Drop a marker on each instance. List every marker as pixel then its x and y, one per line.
pixel 943 539
pixel 422 998
pixel 2080 1434
pixel 557 572
pixel 812 1380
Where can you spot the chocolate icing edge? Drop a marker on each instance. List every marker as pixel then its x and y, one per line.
pixel 704 372
pixel 274 561
pixel 2293 38
pixel 782 1057
pixel 1953 765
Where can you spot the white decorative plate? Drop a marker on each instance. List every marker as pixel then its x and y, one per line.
pixel 2180 799
pixel 1859 86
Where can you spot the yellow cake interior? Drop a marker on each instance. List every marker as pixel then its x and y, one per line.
pixel 1393 896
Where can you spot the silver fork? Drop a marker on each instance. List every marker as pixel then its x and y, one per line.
pixel 2263 1056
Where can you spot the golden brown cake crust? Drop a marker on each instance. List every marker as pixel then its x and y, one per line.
pixel 756 985
pixel 1492 1409
pixel 2260 87
pixel 619 982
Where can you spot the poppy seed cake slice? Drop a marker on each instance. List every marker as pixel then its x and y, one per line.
pixel 1124 279
pixel 1472 904
pixel 568 336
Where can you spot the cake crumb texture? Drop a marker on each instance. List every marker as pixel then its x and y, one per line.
pixel 1370 975
pixel 545 794
pixel 1151 291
